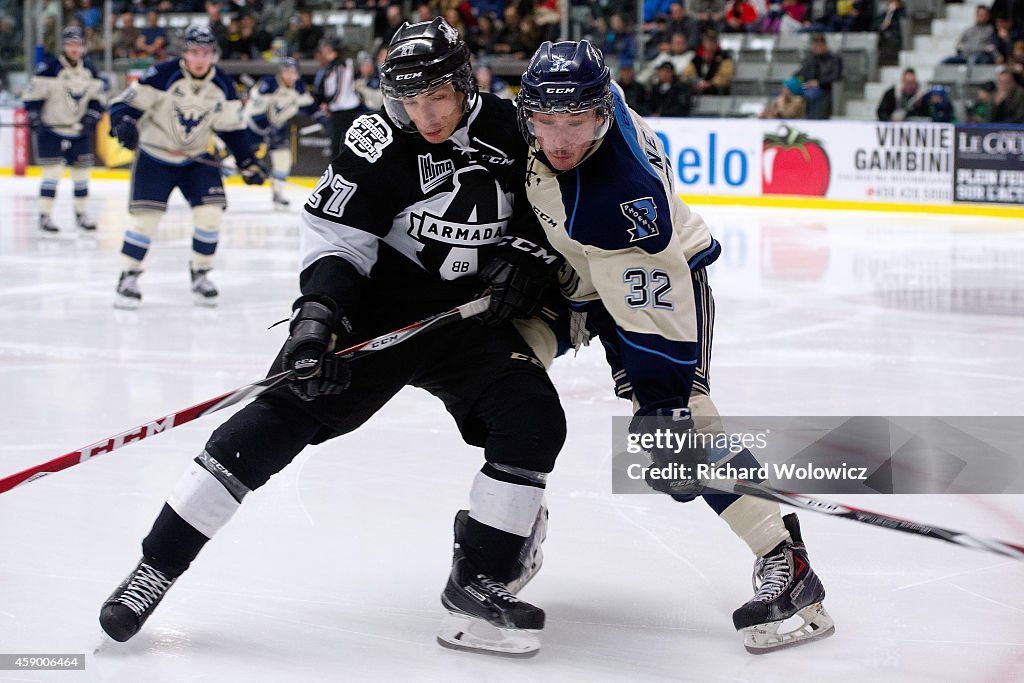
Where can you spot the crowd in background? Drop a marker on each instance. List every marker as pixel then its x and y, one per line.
pixel 681 47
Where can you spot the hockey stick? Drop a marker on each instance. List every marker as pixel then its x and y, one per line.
pixel 176 419
pixel 311 128
pixel 799 500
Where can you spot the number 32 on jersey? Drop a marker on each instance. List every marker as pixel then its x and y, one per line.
pixel 647 288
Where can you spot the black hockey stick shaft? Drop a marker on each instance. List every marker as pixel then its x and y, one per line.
pixel 252 390
pixel 804 502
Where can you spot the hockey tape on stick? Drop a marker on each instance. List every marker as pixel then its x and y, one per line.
pixel 799 500
pixel 176 419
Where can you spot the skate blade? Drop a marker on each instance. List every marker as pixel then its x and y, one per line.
pixel 463 632
pixel 816 624
pixel 127 303
pixel 204 301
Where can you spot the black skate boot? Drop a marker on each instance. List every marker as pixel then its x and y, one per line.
pixel 784 586
pixel 131 603
pixel 483 614
pixel 206 293
pixel 47 225
pixel 128 294
pixel 84 223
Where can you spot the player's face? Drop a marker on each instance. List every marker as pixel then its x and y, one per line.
pixel 288 77
pixel 565 138
pixel 198 60
pixel 74 49
pixel 436 113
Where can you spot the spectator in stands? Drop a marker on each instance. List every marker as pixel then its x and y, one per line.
pixel 454 17
pixel 670 96
pixel 890 30
pixel 487 82
pixel 708 13
pixel 152 41
pixel 654 10
pixel 783 16
pixel 275 16
pixel 220 30
pixel 789 104
pixel 849 15
pixel 305 37
pixel 678 21
pixel 260 40
pixel 10 41
pixel 903 100
pixel 508 32
pixel 531 35
pixel 980 111
pixel 740 17
pixel 939 105
pixel 1008 99
pixel 975 43
pixel 620 40
pixel 636 94
pixel 677 52
pixel 87 15
pixel 818 72
pixel 125 36
pixel 1001 43
pixel 425 12
pixel 712 68
pixel 393 21
pixel 482 36
pixel 239 43
pixel 1016 62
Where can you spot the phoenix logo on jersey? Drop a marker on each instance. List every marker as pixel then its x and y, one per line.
pixel 188 120
pixel 75 99
pixel 643 215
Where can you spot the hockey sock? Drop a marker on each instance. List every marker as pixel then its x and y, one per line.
pixel 207 220
pixel 172 543
pixel 504 503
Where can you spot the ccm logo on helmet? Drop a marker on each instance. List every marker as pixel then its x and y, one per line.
pixel 559 91
pixel 405 77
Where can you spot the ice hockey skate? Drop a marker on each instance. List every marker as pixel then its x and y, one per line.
pixel 128 295
pixel 280 201
pixel 483 613
pixel 47 225
pixel 785 587
pixel 83 222
pixel 131 603
pixel 204 290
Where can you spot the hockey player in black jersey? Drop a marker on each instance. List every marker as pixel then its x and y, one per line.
pixel 421 211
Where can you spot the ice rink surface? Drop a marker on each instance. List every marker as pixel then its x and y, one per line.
pixel 333 570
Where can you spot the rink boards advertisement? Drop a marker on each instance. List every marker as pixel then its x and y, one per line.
pixel 843 160
pixel 989 164
pixel 867 162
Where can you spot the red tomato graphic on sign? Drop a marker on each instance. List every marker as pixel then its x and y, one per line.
pixel 794 164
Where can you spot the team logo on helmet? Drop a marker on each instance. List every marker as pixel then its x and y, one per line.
pixel 450 33
pixel 559 64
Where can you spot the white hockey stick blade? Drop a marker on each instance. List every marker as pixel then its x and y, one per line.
pixel 463 632
pixel 310 129
pixel 815 624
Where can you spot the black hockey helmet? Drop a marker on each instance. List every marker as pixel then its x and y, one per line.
pixel 421 58
pixel 565 78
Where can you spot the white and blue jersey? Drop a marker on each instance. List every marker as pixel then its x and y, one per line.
pixel 64 93
pixel 272 105
pixel 638 254
pixel 176 113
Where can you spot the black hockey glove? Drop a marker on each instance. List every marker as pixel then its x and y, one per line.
pixel 252 170
pixel 666 432
pixel 90 121
pixel 516 279
pixel 35 119
pixel 126 132
pixel 312 336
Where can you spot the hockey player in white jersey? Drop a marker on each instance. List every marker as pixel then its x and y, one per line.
pixel 64 102
pixel 601 185
pixel 169 115
pixel 272 104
